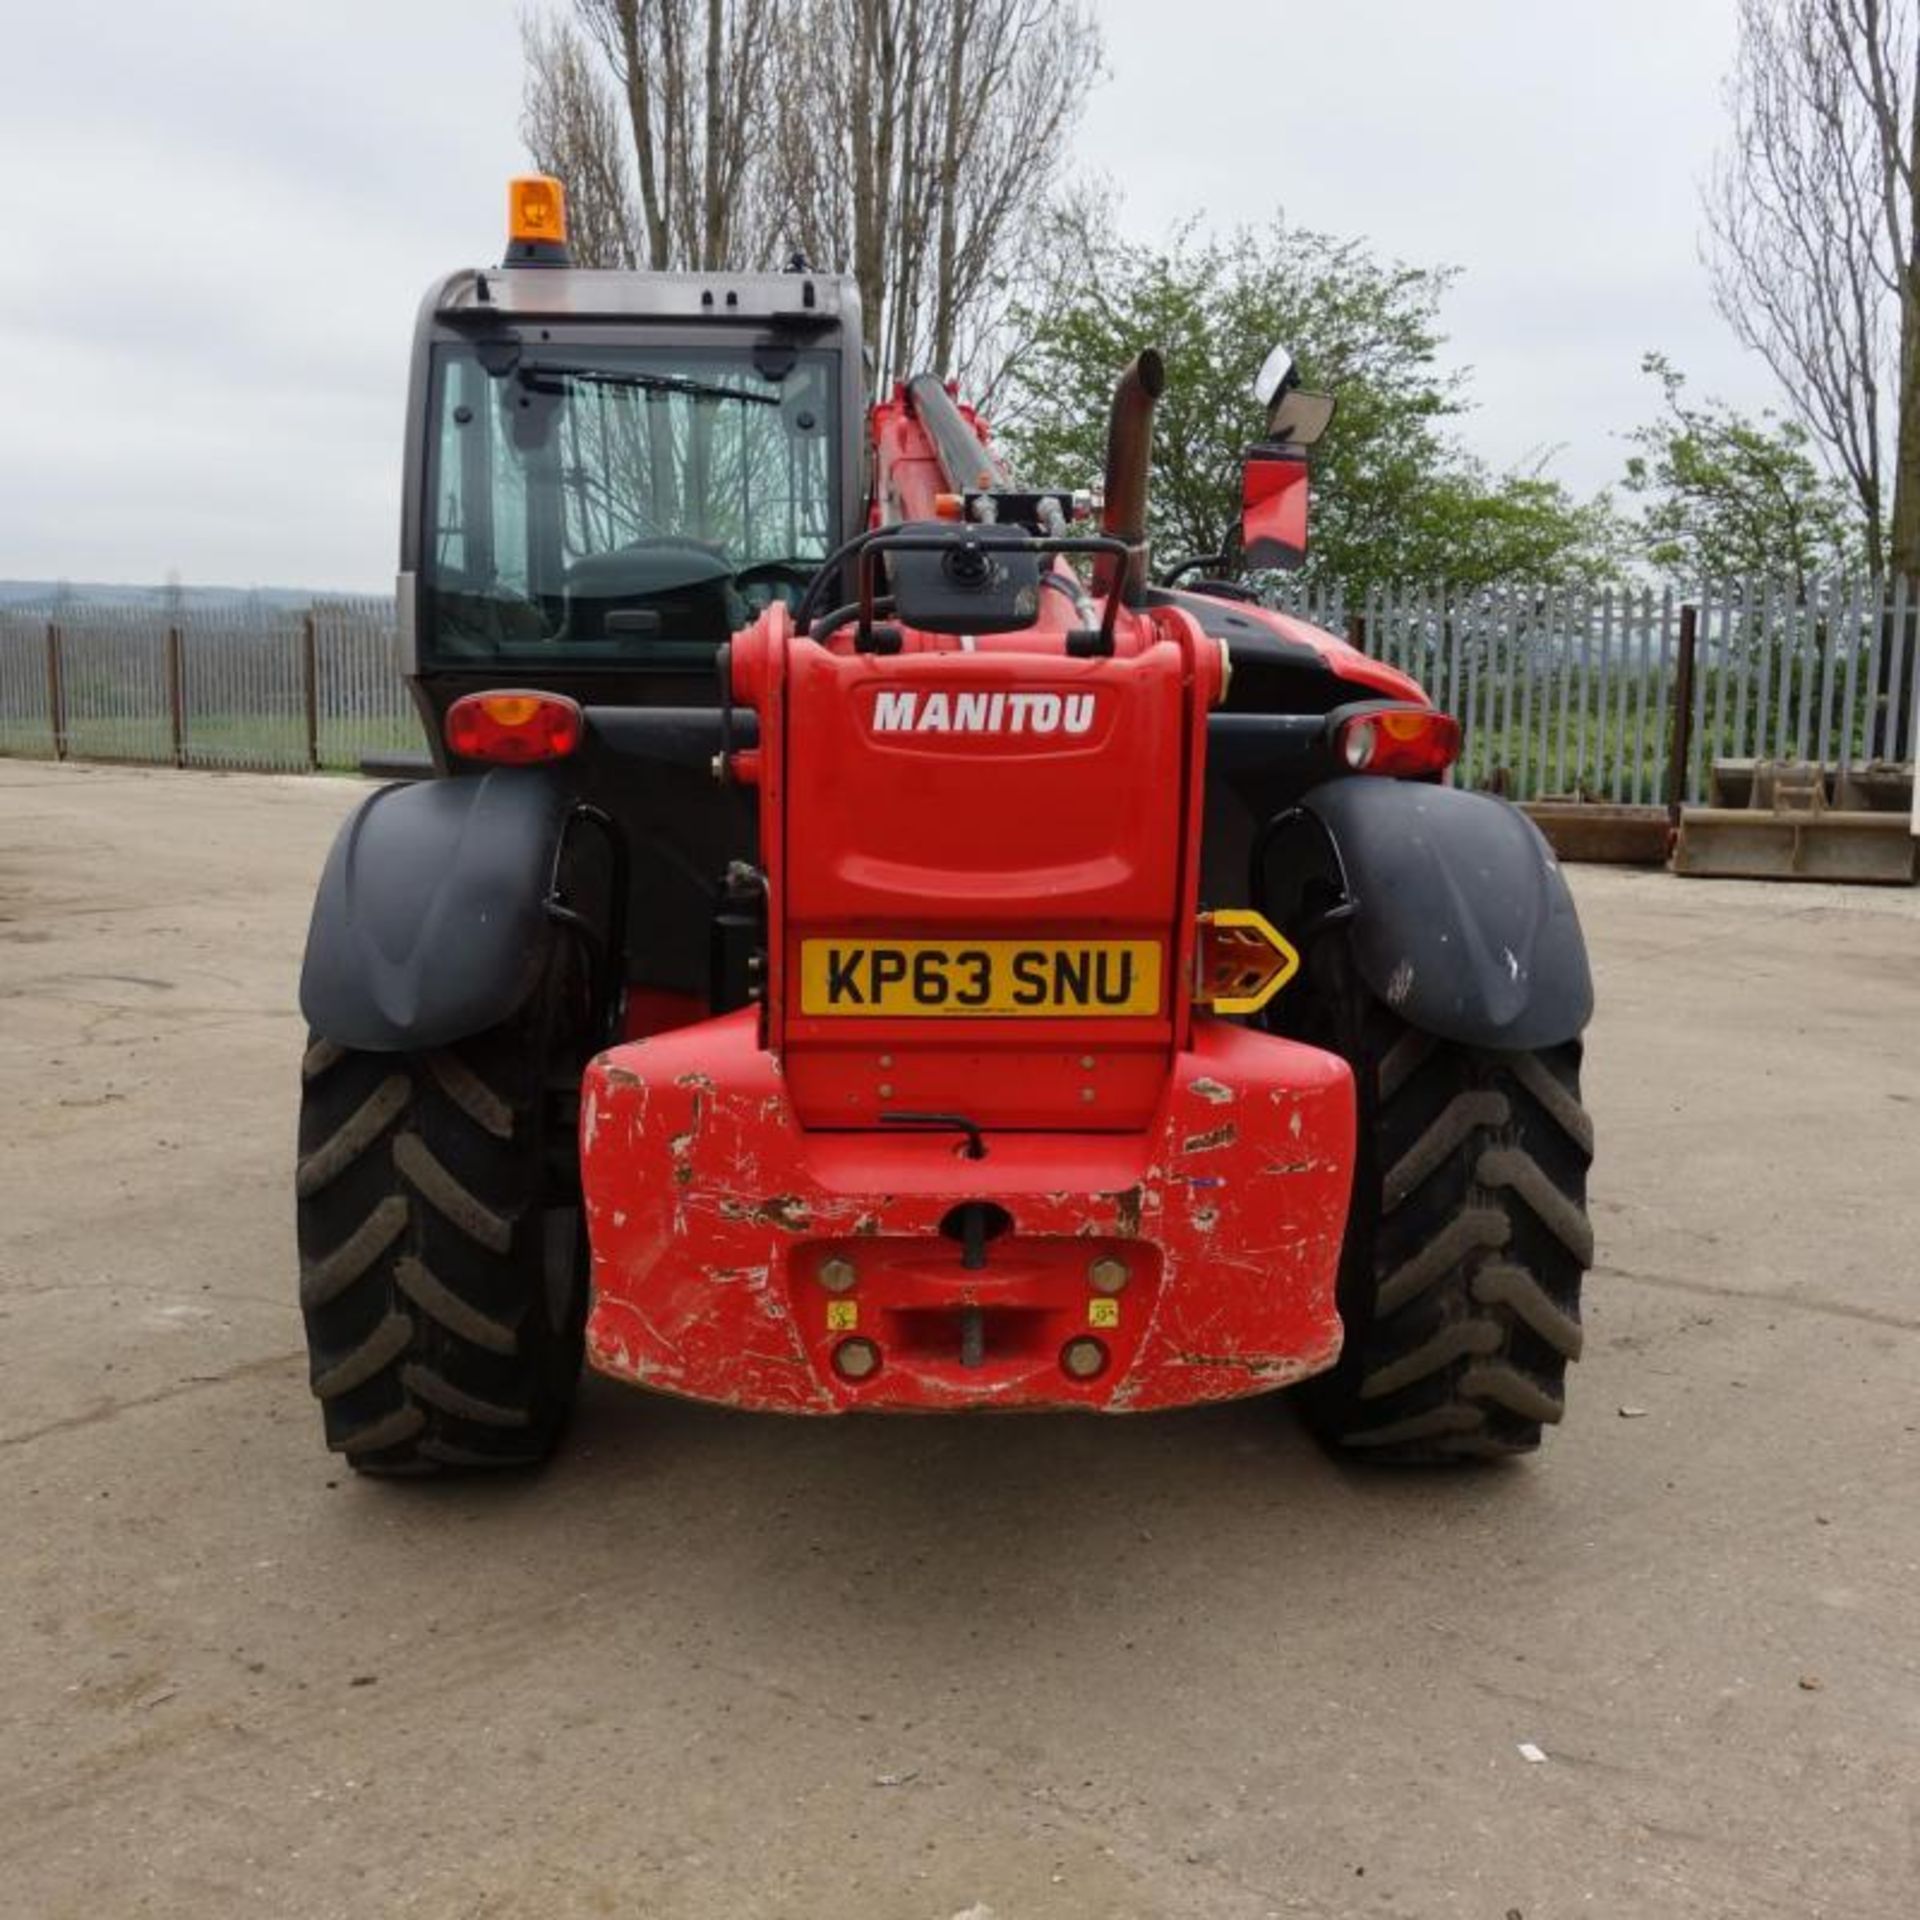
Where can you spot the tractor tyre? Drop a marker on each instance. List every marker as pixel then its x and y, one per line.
pixel 1466 1240
pixel 442 1254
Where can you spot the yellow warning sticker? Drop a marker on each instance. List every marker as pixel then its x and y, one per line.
pixel 1103 1313
pixel 842 1315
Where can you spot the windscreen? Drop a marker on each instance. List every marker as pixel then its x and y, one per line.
pixel 620 504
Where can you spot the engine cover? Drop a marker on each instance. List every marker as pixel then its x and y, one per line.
pixel 983 891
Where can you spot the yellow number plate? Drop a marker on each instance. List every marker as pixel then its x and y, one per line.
pixel 982 978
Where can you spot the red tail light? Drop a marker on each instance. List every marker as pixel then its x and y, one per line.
pixel 513 729
pixel 1399 740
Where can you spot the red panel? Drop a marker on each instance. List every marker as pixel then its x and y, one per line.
pixel 1369 676
pixel 1111 1077
pixel 950 792
pixel 1273 511
pixel 891 819
pixel 655 1009
pixel 712 1213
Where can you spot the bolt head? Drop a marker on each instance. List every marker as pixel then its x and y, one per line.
pixel 837 1274
pixel 856 1359
pixel 1083 1358
pixel 1107 1275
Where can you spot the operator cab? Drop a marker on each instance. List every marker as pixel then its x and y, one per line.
pixel 610 473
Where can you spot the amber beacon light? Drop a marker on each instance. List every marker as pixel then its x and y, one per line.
pixel 536 221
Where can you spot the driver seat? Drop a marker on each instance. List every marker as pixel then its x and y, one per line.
pixel 688 583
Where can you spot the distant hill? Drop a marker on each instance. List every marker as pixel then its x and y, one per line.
pixel 43 593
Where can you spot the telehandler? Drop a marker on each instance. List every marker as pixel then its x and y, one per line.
pixel 869 944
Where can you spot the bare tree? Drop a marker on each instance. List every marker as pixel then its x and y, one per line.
pixel 1812 216
pixel 1018 72
pixel 848 174
pixel 573 126
pixel 695 78
pixel 1048 264
pixel 919 145
pixel 930 160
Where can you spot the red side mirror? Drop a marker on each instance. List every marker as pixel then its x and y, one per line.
pixel 1273 509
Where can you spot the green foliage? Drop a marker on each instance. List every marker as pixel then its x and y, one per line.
pixel 1394 498
pixel 1473 528
pixel 1735 496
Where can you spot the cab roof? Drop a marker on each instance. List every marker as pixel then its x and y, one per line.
pixel 804 303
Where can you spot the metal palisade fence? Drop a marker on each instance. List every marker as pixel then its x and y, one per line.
pixel 1560 691
pixel 264 688
pixel 1576 692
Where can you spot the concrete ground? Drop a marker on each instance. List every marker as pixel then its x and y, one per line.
pixel 716 1665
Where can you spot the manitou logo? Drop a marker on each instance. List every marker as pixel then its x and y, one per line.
pixel 1031 713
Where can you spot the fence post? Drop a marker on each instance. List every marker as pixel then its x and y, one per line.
pixel 177 696
pixel 310 688
pixel 56 691
pixel 1887 722
pixel 1682 748
pixel 1357 632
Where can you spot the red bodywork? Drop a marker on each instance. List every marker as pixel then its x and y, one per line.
pixel 1273 510
pixel 1169 1185
pixel 712 1213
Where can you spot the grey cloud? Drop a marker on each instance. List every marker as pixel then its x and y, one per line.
pixel 205 337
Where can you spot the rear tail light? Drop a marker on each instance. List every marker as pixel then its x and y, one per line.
pixel 1399 740
pixel 513 729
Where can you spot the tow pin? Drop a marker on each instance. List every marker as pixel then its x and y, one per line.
pixel 973 1336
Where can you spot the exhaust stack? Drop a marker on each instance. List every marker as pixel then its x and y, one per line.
pixel 1129 451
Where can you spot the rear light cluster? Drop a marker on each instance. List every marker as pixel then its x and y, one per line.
pixel 1398 741
pixel 513 729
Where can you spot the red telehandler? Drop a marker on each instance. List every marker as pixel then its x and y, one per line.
pixel 867 945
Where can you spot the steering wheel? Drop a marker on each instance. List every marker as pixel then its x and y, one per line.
pixel 793 573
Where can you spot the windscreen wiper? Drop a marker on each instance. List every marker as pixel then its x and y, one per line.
pixel 553 380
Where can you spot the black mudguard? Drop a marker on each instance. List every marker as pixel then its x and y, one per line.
pixel 1462 921
pixel 431 921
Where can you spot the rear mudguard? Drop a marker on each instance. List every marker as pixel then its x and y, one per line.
pixel 1462 922
pixel 431 920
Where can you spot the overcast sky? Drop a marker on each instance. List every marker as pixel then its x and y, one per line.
pixel 222 214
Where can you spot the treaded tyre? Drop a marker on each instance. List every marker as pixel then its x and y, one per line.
pixel 442 1260
pixel 1467 1238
